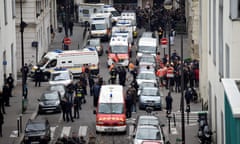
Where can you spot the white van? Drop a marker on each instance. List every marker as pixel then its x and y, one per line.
pixel 85 10
pixel 111 109
pixel 124 31
pixel 129 15
pixel 110 9
pixel 101 25
pixel 71 59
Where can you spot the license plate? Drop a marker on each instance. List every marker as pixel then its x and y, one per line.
pixel 151 104
pixel 110 129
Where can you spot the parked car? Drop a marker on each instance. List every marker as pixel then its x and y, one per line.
pixel 150 97
pixel 145 84
pixel 148 120
pixel 49 101
pixel 58 87
pixel 146 76
pixel 147 60
pixel 96 43
pixel 37 131
pixel 148 133
pixel 61 76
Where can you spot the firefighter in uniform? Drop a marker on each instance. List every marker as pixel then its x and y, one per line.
pixel 79 91
pixel 113 75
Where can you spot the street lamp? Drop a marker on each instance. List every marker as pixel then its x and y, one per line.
pixel 168 4
pixel 22 26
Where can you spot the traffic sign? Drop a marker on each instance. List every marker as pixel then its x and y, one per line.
pixel 67 41
pixel 164 41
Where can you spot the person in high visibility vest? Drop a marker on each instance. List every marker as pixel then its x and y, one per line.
pixel 170 77
pixel 161 74
pixel 158 58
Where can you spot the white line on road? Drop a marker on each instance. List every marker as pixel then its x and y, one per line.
pixel 82 131
pixel 65 131
pixel 52 131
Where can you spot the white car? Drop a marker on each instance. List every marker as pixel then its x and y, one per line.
pixel 61 76
pixel 146 76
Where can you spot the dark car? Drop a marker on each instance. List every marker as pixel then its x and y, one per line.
pixel 37 131
pixel 49 101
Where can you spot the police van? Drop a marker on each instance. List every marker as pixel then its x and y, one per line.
pixel 128 23
pixel 111 109
pixel 115 14
pixel 119 51
pixel 147 45
pixel 74 60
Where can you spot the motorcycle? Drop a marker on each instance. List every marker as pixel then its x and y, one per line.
pixel 204 132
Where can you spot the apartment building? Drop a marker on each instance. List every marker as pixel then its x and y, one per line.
pixel 38 15
pixel 219 56
pixel 7 39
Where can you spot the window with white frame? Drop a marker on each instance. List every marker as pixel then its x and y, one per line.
pixel 234 9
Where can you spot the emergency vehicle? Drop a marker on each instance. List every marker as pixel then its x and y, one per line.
pixel 70 59
pixel 119 51
pixel 123 31
pixel 111 109
pixel 128 23
pixel 101 25
pixel 85 10
pixel 110 9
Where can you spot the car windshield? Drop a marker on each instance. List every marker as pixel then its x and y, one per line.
pixel 35 127
pixel 57 87
pixel 148 121
pixel 50 96
pixel 147 76
pixel 147 59
pixel 148 134
pixel 119 49
pixel 144 84
pixel 147 49
pixel 110 108
pixel 98 26
pixel 60 76
pixel 115 13
pixel 150 92
pixel 43 61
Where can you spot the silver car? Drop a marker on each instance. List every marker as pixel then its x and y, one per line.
pixel 150 97
pixel 145 84
pixel 149 133
pixel 95 42
pixel 60 88
pixel 147 60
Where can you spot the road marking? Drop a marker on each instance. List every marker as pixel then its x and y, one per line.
pixel 131 130
pixel 52 131
pixel 174 131
pixel 14 134
pixel 82 131
pixel 65 131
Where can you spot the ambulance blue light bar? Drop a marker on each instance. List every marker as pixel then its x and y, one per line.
pixel 58 51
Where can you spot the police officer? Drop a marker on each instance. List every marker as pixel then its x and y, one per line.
pixel 76 106
pixel 122 75
pixel 96 92
pixel 38 76
pixel 79 91
pixel 129 102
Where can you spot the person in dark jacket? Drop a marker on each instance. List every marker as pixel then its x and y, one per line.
pixel 10 82
pixel 188 96
pixel 69 106
pixel 96 92
pixel 169 101
pixel 2 107
pixel 1 123
pixel 64 107
pixel 71 27
pixel 38 76
pixel 129 102
pixel 76 107
pixel 91 84
pixel 122 76
pixel 25 71
pixel 6 94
